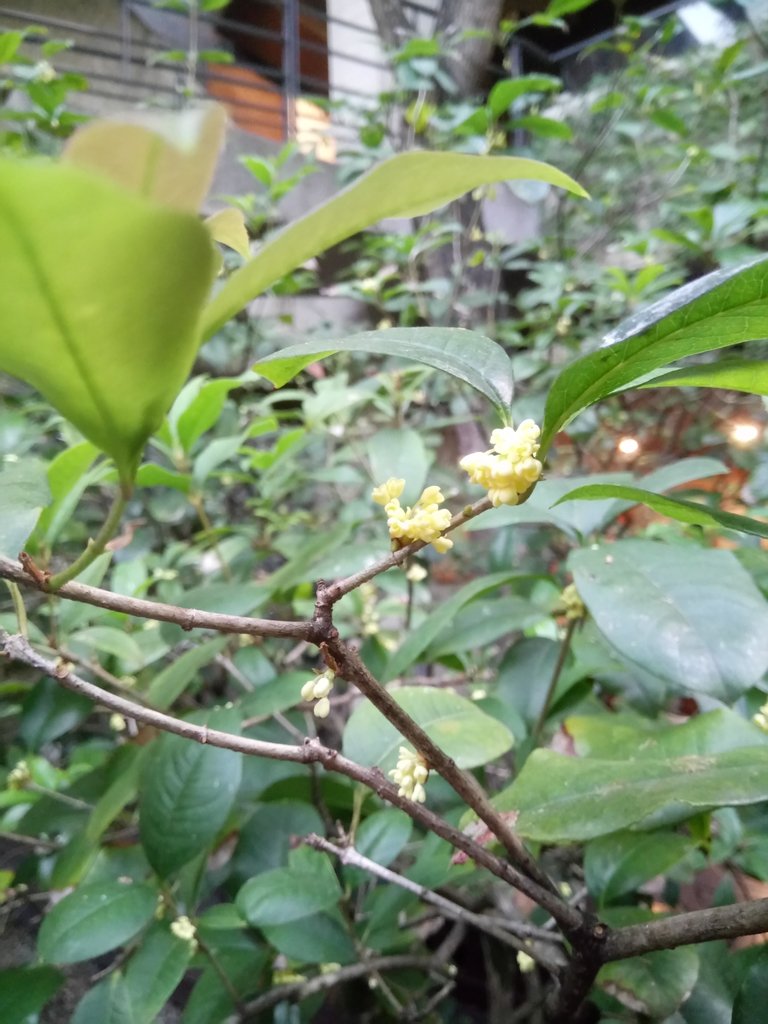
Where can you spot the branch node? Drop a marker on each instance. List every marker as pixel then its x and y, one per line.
pixel 40 576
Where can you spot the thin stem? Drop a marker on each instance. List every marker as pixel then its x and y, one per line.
pixel 94 547
pixel 310 752
pixel 565 646
pixel 187 618
pixel 18 607
pixel 503 931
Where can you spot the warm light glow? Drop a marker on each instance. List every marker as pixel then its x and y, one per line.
pixel 744 432
pixel 628 445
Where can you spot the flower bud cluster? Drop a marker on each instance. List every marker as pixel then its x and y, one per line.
pixel 571 604
pixel 411 775
pixel 317 689
pixel 183 929
pixel 761 717
pixel 426 521
pixel 510 467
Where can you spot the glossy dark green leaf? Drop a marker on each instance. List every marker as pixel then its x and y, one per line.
pixel 108 1002
pixel 186 794
pixel 569 799
pixel 267 836
pixel 155 970
pixel 171 682
pixel 48 712
pixel 290 893
pixel 654 984
pixel 721 309
pixel 419 639
pixel 406 185
pixel 319 939
pixel 466 355
pixel 676 508
pixel 24 493
pixel 456 724
pixel 383 834
pixel 689 615
pixel 94 919
pixel 101 298
pixel 620 863
pixel 25 991
pixel 752 998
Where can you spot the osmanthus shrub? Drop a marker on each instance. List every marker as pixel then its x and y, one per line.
pixel 178 815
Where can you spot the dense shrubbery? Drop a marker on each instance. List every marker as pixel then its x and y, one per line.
pixel 445 783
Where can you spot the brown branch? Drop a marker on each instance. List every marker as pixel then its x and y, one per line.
pixel 465 785
pixel 187 618
pixel 685 929
pixel 298 990
pixel 502 930
pixel 328 595
pixel 310 752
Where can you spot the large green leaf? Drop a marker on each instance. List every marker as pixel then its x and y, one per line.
pixel 749 375
pixel 100 302
pixel 654 984
pixel 186 794
pixel 621 862
pixel 94 919
pixel 155 969
pixel 457 725
pixel 676 508
pixel 688 615
pixel 25 990
pixel 168 156
pixel 753 995
pixel 470 356
pixel 406 185
pixel 570 799
pixel 723 308
pixel 23 495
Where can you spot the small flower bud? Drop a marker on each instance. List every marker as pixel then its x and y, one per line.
pixel 322 708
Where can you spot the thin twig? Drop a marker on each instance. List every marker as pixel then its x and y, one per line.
pixel 187 618
pixel 296 991
pixel 310 752
pixel 565 646
pixel 502 931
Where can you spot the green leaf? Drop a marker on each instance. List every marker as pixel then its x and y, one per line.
pixel 48 712
pixel 723 308
pixel 95 919
pixel 457 725
pixel 172 681
pixel 504 93
pixel 748 375
pixel 571 799
pixel 691 616
pixel 24 494
pixel 400 453
pixel 100 302
pixel 406 185
pixel 467 355
pixel 620 863
pixel 155 970
pixel 227 227
pixel 558 8
pixel 291 893
pixel 434 624
pixel 25 991
pixel 163 155
pixel 186 794
pixel 108 1003
pixel 319 939
pixel 753 995
pixel 383 834
pixel 545 127
pixel 676 508
pixel 69 474
pixel 654 984
pixel 266 837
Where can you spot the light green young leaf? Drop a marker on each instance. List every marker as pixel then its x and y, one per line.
pixel 467 355
pixel 406 185
pixel 456 724
pixel 748 375
pixel 676 508
pixel 168 156
pixel 100 301
pixel 721 309
pixel 228 228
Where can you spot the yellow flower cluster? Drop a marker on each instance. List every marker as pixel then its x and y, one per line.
pixel 571 604
pixel 510 467
pixel 761 717
pixel 318 689
pixel 426 521
pixel 411 775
